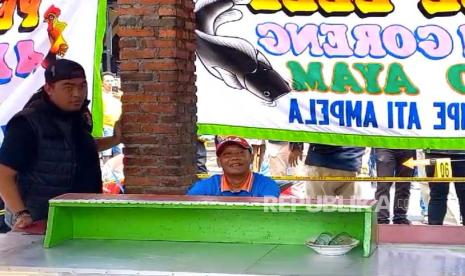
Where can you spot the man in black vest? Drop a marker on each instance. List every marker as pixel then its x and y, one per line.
pixel 48 149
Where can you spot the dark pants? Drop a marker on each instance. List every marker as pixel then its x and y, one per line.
pixel 389 163
pixel 3 226
pixel 201 157
pixel 439 191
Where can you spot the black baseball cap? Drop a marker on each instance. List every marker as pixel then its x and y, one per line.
pixel 63 69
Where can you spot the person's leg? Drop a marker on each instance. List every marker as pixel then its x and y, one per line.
pixel 385 164
pixel 402 193
pixel 118 149
pixel 201 157
pixel 107 132
pixel 3 226
pixel 460 190
pixel 458 170
pixel 438 202
pixel 344 189
pixel 299 187
pixel 9 218
pixel 258 151
pixel 331 188
pixel 424 188
pixel 319 188
pixel 278 158
pixel 382 195
pixel 438 199
pixel 401 202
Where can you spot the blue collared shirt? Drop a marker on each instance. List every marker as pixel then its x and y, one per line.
pixel 262 186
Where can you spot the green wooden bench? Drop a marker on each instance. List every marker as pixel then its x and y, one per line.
pixel 205 219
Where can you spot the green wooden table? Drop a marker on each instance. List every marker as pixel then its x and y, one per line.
pixel 206 219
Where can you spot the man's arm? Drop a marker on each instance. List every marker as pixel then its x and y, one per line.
pixel 104 143
pixel 16 154
pixel 10 195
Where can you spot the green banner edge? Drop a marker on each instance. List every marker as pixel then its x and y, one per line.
pixel 375 141
pixel 97 103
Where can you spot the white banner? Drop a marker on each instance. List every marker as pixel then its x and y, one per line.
pixel 371 73
pixel 34 33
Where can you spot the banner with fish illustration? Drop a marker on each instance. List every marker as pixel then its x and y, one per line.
pixel 35 33
pixel 381 73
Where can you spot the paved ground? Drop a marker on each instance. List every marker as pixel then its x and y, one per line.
pixel 24 255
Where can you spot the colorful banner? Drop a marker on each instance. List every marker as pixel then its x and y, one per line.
pixel 363 72
pixel 35 33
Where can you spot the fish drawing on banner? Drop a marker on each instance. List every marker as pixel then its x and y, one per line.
pixel 233 59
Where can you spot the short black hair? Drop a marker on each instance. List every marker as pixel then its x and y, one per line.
pixel 108 74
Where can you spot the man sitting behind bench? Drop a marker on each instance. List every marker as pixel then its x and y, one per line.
pixel 235 158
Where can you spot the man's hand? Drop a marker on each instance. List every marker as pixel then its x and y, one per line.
pixel 104 143
pixel 294 156
pixel 23 221
pixel 117 133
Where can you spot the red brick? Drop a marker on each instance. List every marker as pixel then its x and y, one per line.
pixel 134 170
pixel 128 108
pixel 135 11
pixel 182 54
pixel 161 87
pixel 131 127
pixel 167 33
pixel 127 42
pixel 173 161
pixel 157 45
pixel 121 2
pixel 135 32
pixel 130 189
pixel 141 118
pixel 165 190
pixel 138 98
pixel 129 87
pixel 157 107
pixel 167 53
pixel 129 66
pixel 138 180
pixel 140 161
pixel 139 139
pixel 158 1
pixel 170 119
pixel 159 128
pixel 132 54
pixel 169 64
pixel 158 150
pixel 167 99
pixel 166 11
pixel 167 76
pixel 139 76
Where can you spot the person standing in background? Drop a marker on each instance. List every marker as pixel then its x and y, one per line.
pixel 327 161
pixel 439 191
pixel 389 162
pixel 112 109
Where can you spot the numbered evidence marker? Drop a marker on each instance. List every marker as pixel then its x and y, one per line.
pixel 443 168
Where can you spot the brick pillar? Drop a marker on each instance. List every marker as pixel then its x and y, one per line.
pixel 159 103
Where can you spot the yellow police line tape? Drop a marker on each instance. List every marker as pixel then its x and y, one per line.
pixel 360 179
